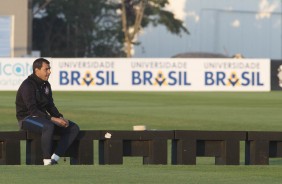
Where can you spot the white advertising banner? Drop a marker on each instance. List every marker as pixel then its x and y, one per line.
pixel 87 74
pixel 13 72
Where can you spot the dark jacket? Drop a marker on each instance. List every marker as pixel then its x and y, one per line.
pixel 34 98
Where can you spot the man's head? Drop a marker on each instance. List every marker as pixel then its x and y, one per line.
pixel 41 68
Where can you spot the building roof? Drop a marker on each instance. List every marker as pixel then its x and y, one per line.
pixel 199 55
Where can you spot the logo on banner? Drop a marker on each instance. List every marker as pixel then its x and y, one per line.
pixel 233 79
pixel 15 69
pixel 88 78
pixel 173 78
pixel 160 79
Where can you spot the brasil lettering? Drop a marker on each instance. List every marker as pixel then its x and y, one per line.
pixel 173 78
pixel 233 79
pixel 88 78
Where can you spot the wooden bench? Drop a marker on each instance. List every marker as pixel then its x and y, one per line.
pixel 151 145
pixel 223 145
pixel 80 152
pixel 10 149
pixel 260 146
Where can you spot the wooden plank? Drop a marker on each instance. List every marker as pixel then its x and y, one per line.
pixel 210 135
pixel 13 135
pixel 138 135
pixel 270 136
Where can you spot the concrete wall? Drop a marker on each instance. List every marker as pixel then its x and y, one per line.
pixel 22 24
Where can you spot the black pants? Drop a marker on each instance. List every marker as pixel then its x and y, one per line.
pixel 47 129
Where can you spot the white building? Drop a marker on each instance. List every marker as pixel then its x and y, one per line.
pixel 250 27
pixel 15 28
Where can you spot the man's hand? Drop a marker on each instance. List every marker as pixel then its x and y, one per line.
pixel 62 122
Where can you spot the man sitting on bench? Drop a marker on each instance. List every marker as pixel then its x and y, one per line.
pixel 36 112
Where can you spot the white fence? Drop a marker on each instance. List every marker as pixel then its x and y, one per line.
pixel 99 74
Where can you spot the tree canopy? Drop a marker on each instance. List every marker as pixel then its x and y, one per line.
pixel 88 28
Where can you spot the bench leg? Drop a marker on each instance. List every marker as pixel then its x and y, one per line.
pixel 110 152
pixel 275 149
pixel 229 154
pixel 10 152
pixel 157 152
pixel 257 153
pixel 174 152
pixel 81 153
pixel 1 152
pixel 184 152
pixel 33 152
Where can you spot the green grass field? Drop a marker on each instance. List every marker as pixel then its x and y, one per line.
pixel 161 111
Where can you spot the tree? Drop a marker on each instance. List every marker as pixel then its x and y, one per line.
pixel 139 13
pixel 75 28
pixel 100 28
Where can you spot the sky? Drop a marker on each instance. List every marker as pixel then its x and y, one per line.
pixel 178 8
pixel 222 26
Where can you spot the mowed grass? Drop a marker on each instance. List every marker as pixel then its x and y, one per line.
pixel 161 111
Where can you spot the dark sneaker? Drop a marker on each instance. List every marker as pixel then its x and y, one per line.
pixel 53 162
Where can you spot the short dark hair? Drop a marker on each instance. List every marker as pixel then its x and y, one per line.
pixel 38 63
